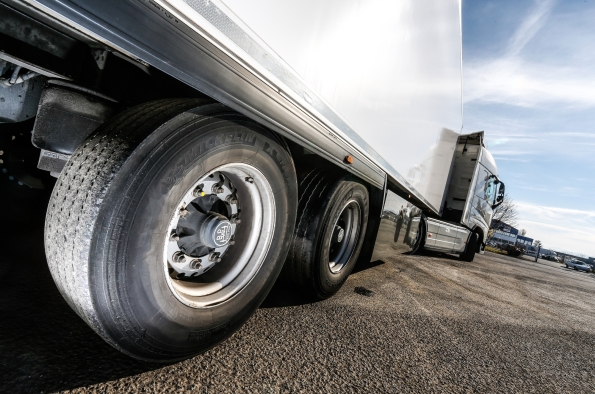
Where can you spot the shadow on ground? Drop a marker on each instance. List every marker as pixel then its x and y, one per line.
pixel 44 345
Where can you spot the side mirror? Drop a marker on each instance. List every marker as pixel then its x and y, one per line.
pixel 499 195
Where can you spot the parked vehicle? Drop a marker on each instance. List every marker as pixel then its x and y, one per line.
pixel 513 250
pixel 530 250
pixel 578 265
pixel 202 149
pixel 551 257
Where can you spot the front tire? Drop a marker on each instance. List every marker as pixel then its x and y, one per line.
pixel 471 248
pixel 119 208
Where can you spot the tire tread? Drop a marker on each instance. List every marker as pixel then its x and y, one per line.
pixel 80 190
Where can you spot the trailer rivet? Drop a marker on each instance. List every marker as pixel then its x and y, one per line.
pixel 349 159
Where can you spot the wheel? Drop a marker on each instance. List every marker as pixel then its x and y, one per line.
pixel 329 233
pixel 418 242
pixel 469 253
pixel 168 228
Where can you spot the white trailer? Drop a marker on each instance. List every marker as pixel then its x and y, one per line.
pixel 203 148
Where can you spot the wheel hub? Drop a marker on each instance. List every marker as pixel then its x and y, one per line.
pixel 209 253
pixel 338 234
pixel 344 237
pixel 203 227
pixel 198 232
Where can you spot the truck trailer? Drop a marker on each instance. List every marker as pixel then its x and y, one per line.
pixel 205 149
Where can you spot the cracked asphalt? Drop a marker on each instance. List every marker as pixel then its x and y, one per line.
pixel 415 324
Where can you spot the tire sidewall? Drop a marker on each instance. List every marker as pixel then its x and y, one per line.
pixel 135 298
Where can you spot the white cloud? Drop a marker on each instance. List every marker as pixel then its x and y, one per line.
pixel 511 139
pixel 559 228
pixel 515 80
pixel 530 26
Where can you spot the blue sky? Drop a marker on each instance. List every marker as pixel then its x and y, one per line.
pixel 529 82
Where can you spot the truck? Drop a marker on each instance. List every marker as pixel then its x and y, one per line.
pixel 200 150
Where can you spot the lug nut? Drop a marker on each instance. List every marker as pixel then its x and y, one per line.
pixel 249 179
pixel 195 264
pixel 235 221
pixel 179 257
pixel 217 189
pixel 174 237
pixel 215 257
pixel 231 241
pixel 231 199
pixel 198 192
pixel 183 212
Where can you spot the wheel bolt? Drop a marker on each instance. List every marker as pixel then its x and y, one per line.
pixel 232 199
pixel 179 257
pixel 183 212
pixel 174 237
pixel 198 192
pixel 217 189
pixel 235 221
pixel 195 264
pixel 249 179
pixel 215 257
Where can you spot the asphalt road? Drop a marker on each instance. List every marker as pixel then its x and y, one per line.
pixel 431 324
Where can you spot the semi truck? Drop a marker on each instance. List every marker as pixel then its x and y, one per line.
pixel 204 149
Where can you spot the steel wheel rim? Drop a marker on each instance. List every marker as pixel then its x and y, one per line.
pixel 341 248
pixel 251 224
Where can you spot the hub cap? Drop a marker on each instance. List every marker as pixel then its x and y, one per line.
pixel 219 235
pixel 345 236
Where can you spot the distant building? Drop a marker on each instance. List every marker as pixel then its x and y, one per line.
pixel 503 233
pixel 524 240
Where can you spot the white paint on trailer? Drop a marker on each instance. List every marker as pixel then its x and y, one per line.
pixel 390 70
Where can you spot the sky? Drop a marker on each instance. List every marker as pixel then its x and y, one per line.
pixel 529 83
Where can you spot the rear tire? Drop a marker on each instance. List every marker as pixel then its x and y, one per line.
pixel 469 253
pixel 329 233
pixel 109 222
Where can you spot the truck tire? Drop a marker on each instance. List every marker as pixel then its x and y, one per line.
pixel 161 227
pixel 329 233
pixel 469 253
pixel 417 244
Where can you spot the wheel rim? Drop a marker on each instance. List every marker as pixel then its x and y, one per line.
pixel 219 235
pixel 344 237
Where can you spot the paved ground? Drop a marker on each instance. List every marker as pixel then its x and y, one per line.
pixel 432 324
